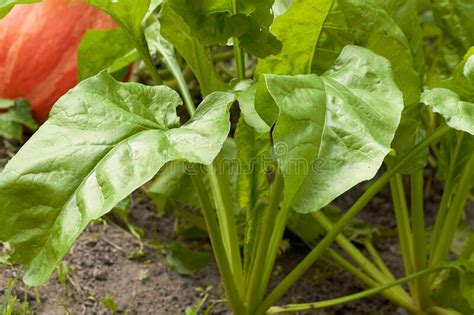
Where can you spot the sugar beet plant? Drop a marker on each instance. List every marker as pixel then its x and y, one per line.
pixel 339 89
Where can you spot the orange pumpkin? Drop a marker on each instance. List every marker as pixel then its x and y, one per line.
pixel 38 50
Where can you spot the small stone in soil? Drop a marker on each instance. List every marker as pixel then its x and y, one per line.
pixel 101 275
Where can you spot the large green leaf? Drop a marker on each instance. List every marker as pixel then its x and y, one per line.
pixel 197 56
pixel 215 21
pixel 458 114
pixel 331 131
pixel 104 49
pixel 300 30
pixel 391 29
pixel 103 140
pixel 7 5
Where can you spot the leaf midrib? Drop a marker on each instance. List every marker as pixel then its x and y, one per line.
pixel 43 247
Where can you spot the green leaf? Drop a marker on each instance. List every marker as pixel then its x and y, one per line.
pixel 121 211
pixel 459 115
pixel 215 21
pixel 335 34
pixel 99 50
pixel 455 18
pixel 409 134
pixel 454 288
pixel 246 100
pixel 460 81
pixel 455 149
pixel 405 15
pixel 392 29
pixel 462 239
pixel 468 70
pixel 332 131
pixel 300 30
pixel 7 5
pixel 253 153
pixel 109 303
pixel 280 7
pixel 103 140
pixel 173 183
pixel 63 273
pixel 17 117
pixel 376 28
pixel 184 261
pixel 129 14
pixel 307 228
pixel 112 50
pixel 197 56
pixel 226 168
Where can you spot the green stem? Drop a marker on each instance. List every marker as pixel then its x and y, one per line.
pixel 436 310
pixel 419 236
pixel 346 219
pixel 454 214
pixel 226 219
pixel 403 225
pixel 359 258
pixel 378 260
pixel 292 308
pixel 446 197
pixel 273 247
pixel 239 60
pixel 236 303
pixel 239 54
pixel 371 283
pixel 183 88
pixel 403 302
pixel 142 47
pixel 175 68
pixel 145 54
pixel 344 263
pixel 267 226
